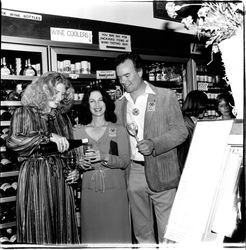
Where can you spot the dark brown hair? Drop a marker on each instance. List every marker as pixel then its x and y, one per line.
pixel 85 116
pixel 195 103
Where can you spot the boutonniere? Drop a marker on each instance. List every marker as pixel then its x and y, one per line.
pixel 112 132
pixel 151 106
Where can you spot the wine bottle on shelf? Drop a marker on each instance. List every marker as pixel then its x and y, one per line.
pixel 5 70
pixel 6 190
pixel 51 147
pixel 7 212
pixel 24 67
pixel 5 115
pixel 29 70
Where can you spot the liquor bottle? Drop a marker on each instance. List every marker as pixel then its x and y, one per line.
pixel 5 164
pixel 29 70
pixel 6 234
pixel 7 213
pixel 158 72
pixel 5 70
pixel 152 72
pixel 5 115
pixel 23 68
pixel 6 190
pixel 51 147
pixel 13 238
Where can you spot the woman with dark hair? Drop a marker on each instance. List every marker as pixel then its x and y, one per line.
pixel 104 203
pixel 193 109
pixel 45 206
pixel 225 106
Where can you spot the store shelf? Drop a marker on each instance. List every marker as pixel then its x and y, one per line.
pixel 8 199
pixel 7 225
pixel 4 123
pixel 15 77
pixel 9 173
pixel 10 103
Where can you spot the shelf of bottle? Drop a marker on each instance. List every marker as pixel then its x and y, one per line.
pixel 4 123
pixel 19 77
pixel 8 199
pixel 10 103
pixel 7 225
pixel 9 173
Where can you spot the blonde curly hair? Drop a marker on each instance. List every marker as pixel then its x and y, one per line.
pixel 42 89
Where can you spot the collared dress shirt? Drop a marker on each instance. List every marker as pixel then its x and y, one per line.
pixel 138 108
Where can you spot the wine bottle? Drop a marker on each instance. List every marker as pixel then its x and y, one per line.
pixel 5 70
pixel 5 115
pixel 29 70
pixel 51 147
pixel 5 190
pixel 23 68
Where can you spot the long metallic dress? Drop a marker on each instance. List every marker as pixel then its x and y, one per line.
pixel 45 207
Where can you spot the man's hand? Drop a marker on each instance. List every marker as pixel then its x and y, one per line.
pixel 146 147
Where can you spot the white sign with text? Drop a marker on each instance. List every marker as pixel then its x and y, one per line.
pixel 70 35
pixel 113 41
pixel 22 15
pixel 106 74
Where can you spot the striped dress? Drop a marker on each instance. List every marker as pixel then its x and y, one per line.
pixel 45 207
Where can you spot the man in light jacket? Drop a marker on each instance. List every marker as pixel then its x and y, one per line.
pixel 154 172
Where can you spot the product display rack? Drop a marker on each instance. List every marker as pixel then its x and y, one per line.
pixel 11 51
pixel 211 80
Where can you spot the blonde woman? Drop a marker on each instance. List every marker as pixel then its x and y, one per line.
pixel 44 203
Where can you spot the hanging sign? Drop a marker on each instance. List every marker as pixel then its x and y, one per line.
pixel 70 35
pixel 106 74
pixel 113 41
pixel 23 15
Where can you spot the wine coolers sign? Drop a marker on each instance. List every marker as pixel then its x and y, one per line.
pixel 71 35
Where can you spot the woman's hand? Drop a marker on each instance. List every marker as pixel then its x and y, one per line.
pixel 85 163
pixel 93 155
pixel 73 176
pixel 61 142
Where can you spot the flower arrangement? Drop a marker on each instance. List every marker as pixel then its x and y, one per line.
pixel 216 21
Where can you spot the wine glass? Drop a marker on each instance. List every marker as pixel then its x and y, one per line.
pixel 133 130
